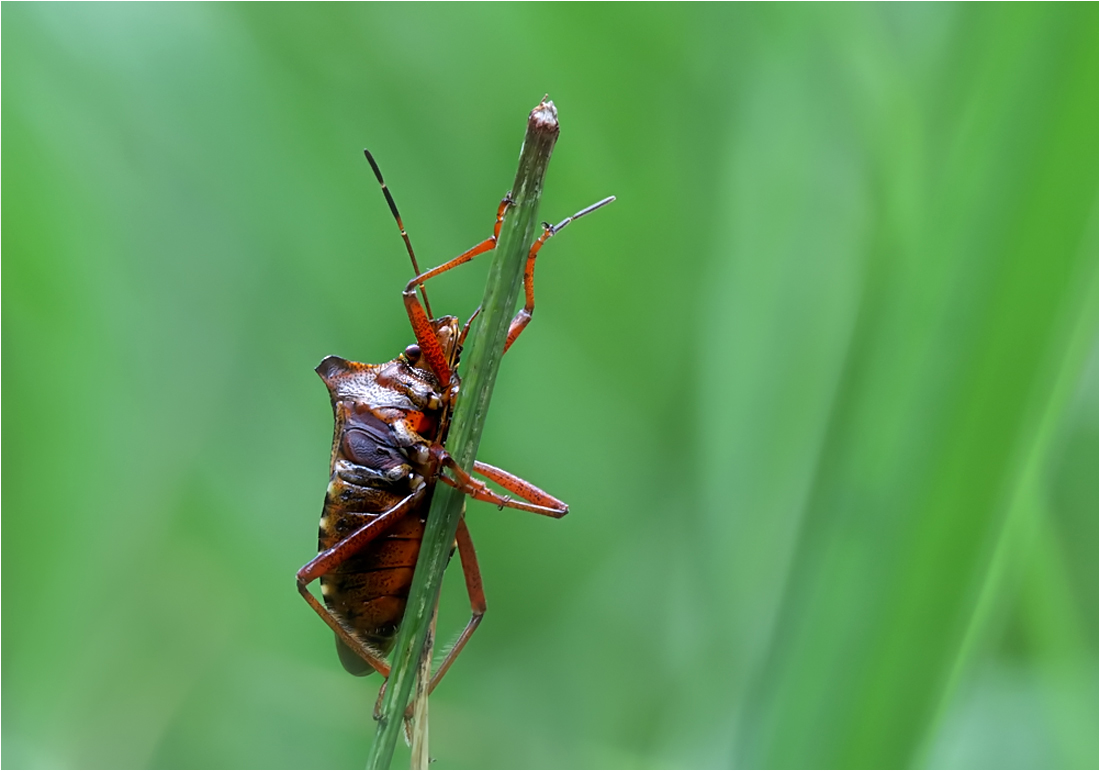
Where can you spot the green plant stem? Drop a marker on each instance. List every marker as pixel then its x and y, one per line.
pixel 486 347
pixel 418 724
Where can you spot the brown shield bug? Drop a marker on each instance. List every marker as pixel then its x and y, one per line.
pixel 388 455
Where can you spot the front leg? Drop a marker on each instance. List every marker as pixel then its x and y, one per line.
pixel 523 317
pixel 421 323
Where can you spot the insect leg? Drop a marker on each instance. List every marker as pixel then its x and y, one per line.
pixel 522 488
pixel 419 318
pixel 330 559
pixel 523 317
pixel 537 501
pixel 472 573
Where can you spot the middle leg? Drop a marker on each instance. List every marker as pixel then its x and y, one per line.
pixel 534 500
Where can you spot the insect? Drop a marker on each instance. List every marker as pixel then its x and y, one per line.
pixel 388 455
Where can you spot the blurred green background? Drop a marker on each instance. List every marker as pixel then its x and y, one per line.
pixel 820 387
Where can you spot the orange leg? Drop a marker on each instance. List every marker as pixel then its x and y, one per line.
pixel 523 489
pixel 332 558
pixel 523 317
pixel 472 573
pixel 537 501
pixel 421 321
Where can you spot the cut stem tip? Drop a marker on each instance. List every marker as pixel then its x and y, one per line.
pixel 544 118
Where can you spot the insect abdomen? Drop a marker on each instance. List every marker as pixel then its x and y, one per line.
pixel 368 591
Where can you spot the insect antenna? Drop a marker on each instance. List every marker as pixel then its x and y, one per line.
pixel 401 227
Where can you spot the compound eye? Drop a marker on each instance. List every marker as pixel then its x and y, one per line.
pixel 412 354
